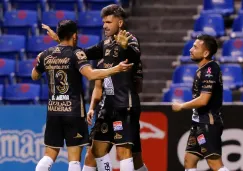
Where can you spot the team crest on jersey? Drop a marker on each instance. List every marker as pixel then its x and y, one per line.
pixel 81 55
pixel 116 50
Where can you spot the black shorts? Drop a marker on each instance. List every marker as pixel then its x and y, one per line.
pixel 118 127
pixel 205 140
pixel 72 129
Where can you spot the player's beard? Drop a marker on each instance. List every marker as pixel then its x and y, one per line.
pixel 198 60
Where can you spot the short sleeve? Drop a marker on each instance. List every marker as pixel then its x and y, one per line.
pixel 80 59
pixel 40 68
pixel 209 79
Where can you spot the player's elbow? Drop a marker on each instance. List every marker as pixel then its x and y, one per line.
pixel 204 102
pixel 34 77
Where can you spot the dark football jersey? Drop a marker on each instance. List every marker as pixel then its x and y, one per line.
pixel 62 65
pixel 208 79
pixel 119 88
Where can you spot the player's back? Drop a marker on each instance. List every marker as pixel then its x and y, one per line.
pixel 64 80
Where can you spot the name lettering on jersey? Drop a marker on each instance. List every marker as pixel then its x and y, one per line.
pixel 51 60
pixel 116 50
pixel 60 97
pixel 107 52
pixel 49 67
pixel 207 86
pixel 107 65
pixel 209 81
pixel 56 106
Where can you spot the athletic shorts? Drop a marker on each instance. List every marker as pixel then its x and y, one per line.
pixel 72 129
pixel 205 140
pixel 119 126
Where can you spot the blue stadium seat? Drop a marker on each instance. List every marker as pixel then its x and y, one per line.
pixel 87 40
pixel 178 94
pixel 1 93
pixel 40 43
pixel 185 58
pixel 184 74
pixel 90 22
pixel 44 93
pixel 98 4
pixel 22 94
pixel 233 47
pixel 232 75
pixel 12 46
pixel 232 50
pixel 227 95
pixel 224 7
pixel 241 9
pixel 237 27
pixel 51 18
pixel 4 5
pixel 7 69
pixel 212 24
pixel 69 5
pixel 23 72
pixel 36 5
pixel 20 22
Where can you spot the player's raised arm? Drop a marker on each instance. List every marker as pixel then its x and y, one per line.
pixel 129 45
pixel 39 68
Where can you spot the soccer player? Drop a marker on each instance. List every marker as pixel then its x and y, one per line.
pixel 66 108
pixel 102 127
pixel 207 126
pixel 117 46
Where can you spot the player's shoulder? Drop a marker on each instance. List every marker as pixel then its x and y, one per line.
pixel 213 66
pixel 79 53
pixel 133 37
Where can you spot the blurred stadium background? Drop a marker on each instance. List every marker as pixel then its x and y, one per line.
pixel 166 30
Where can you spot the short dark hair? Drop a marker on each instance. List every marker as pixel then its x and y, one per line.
pixel 115 10
pixel 210 43
pixel 66 28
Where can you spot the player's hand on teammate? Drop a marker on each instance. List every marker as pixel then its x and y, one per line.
pixel 90 116
pixel 50 32
pixel 124 66
pixel 176 106
pixel 122 38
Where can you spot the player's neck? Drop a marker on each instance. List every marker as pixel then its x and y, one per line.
pixel 203 62
pixel 66 43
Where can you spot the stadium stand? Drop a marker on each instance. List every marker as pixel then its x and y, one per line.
pixel 218 7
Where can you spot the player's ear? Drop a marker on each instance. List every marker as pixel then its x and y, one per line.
pixel 121 22
pixel 75 36
pixel 206 53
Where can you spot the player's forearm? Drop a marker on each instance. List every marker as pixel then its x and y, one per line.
pixel 96 97
pixel 194 104
pixel 99 74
